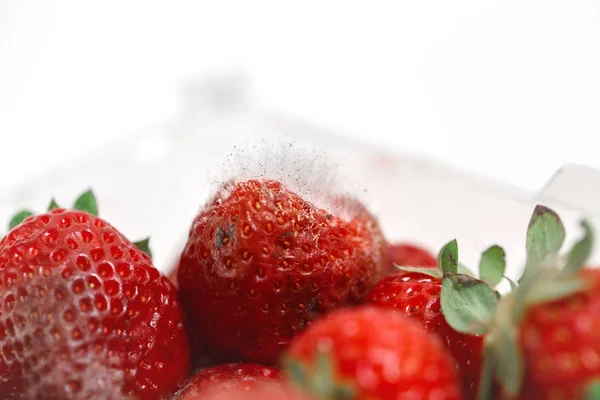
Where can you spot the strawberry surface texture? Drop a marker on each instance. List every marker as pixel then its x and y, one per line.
pixel 85 315
pixel 372 353
pixel 261 263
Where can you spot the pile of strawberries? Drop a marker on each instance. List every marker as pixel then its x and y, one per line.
pixel 277 298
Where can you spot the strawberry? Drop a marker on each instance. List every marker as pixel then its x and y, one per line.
pixel 371 353
pixel 226 377
pixel 410 255
pixel 261 391
pixel 261 263
pixel 560 343
pixel 84 314
pixel 541 339
pixel 417 296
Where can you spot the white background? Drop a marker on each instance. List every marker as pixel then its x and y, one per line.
pixel 509 88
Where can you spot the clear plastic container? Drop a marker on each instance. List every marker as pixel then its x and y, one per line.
pixel 154 182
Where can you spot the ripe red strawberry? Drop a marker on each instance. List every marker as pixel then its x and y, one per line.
pixel 227 377
pixel 561 345
pixel 261 263
pixel 405 254
pixel 418 296
pixel 84 314
pixel 370 353
pixel 261 391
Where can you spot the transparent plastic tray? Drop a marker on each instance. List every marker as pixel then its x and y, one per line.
pixel 153 183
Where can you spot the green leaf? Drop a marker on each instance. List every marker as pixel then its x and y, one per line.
pixel 593 390
pixel 448 257
pixel 492 265
pixel 53 205
pixel 582 249
pixel 18 218
pixel 144 245
pixel 545 237
pixel 548 290
pixel 468 304
pixel 433 272
pixel 509 360
pixel 87 202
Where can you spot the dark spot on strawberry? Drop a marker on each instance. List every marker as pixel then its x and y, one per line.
pixel 312 305
pixel 223 237
pixel 220 235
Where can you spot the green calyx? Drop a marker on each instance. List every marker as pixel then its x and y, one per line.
pixel 503 361
pixel 472 306
pixel 547 277
pixel 582 249
pixel 448 257
pixel 492 265
pixel 53 205
pixel 467 302
pixel 319 380
pixel 87 202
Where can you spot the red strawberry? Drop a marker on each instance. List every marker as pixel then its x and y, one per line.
pixel 227 377
pixel 561 344
pixel 262 391
pixel 261 263
pixel 370 353
pixel 418 296
pixel 405 254
pixel 84 314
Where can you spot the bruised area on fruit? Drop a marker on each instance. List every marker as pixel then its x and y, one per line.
pixel 83 314
pixel 261 263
